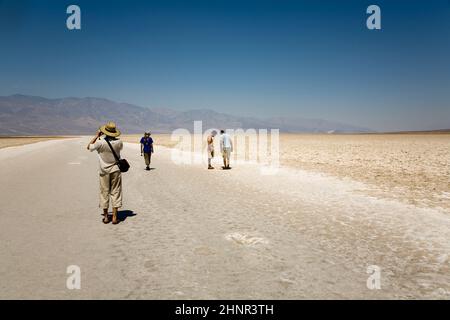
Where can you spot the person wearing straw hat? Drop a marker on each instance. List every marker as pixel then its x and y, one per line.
pixel 109 172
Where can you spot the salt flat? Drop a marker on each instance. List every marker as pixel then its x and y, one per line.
pixel 192 233
pixel 413 168
pixel 6 142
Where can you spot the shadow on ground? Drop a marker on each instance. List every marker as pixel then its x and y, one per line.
pixel 122 215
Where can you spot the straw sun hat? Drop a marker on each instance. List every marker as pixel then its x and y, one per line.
pixel 110 130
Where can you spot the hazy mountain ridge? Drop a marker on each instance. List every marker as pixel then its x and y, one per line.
pixel 31 115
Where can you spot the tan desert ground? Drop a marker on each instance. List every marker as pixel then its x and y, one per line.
pixel 339 205
pixel 20 141
pixel 413 168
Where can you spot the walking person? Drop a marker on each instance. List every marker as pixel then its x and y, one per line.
pixel 226 147
pixel 147 149
pixel 210 148
pixel 109 172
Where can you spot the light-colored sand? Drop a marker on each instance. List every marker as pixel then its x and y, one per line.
pixel 20 141
pixel 160 139
pixel 413 168
pixel 199 234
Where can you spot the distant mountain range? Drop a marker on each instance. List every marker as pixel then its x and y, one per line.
pixel 31 115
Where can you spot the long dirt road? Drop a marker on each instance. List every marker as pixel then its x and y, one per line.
pixel 192 233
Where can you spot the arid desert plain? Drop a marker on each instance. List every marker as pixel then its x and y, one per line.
pixel 338 206
pixel 20 141
pixel 413 168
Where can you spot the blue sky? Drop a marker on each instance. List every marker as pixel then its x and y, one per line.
pixel 260 58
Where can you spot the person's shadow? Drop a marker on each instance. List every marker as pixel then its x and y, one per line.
pixel 122 215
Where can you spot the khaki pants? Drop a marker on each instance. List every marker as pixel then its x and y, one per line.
pixel 226 152
pixel 111 186
pixel 147 158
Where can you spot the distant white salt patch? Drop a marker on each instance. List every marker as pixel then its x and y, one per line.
pixel 245 240
pixel 445 195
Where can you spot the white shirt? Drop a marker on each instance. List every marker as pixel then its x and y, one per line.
pixel 106 160
pixel 226 142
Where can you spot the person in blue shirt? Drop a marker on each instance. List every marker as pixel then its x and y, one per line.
pixel 147 149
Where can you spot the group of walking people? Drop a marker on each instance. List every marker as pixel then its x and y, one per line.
pixel 111 165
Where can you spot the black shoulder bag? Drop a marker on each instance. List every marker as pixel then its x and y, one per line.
pixel 121 163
